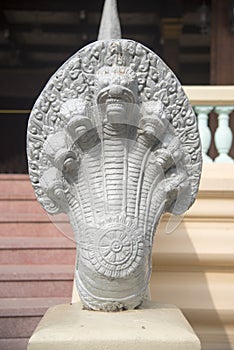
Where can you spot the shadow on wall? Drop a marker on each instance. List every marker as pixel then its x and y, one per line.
pixel 185 274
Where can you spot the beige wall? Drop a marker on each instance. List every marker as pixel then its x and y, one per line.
pixel 193 267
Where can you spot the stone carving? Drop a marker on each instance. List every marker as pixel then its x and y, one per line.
pixel 113 143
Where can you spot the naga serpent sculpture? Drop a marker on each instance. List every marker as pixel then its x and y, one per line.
pixel 113 143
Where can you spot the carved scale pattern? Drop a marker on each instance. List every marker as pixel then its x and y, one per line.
pixel 113 142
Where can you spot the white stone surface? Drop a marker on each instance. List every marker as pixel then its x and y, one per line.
pixel 223 135
pixel 109 26
pixel 204 130
pixel 113 143
pixel 161 327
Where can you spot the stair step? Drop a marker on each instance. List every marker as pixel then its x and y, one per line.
pixel 35 243
pixel 28 306
pixel 34 229
pixel 36 250
pixel 36 272
pixel 16 187
pixel 14 344
pixel 19 281
pixel 19 317
pixel 18 211
pixel 23 211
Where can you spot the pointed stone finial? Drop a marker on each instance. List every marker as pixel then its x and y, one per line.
pixel 110 25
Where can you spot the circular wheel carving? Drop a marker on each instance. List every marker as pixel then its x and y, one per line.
pixel 116 250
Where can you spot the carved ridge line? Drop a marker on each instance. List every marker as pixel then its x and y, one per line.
pixel 125 184
pixel 138 196
pixel 103 170
pixel 110 133
pixel 88 184
pixel 149 202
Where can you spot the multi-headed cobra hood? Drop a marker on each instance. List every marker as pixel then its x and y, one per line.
pixel 113 143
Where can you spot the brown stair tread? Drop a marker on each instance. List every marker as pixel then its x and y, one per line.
pixel 16 186
pixel 22 211
pixel 31 229
pixel 14 344
pixel 36 243
pixel 36 272
pixel 14 177
pixel 14 307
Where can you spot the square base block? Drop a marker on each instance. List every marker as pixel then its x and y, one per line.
pixel 154 326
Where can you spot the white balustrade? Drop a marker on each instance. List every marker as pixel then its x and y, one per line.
pixel 204 130
pixel 219 98
pixel 223 135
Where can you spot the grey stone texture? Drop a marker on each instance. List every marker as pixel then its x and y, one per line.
pixel 113 143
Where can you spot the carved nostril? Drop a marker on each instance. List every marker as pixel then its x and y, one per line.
pixel 115 91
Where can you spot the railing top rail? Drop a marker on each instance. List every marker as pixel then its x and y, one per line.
pixel 215 95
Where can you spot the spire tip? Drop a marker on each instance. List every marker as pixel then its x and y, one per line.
pixel 110 25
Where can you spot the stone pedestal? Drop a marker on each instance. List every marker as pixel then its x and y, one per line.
pixel 155 326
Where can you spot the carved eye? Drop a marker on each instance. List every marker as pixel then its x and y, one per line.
pixel 105 82
pixel 149 110
pixel 69 164
pixel 58 192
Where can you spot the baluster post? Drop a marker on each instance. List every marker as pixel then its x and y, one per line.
pixel 223 135
pixel 204 130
